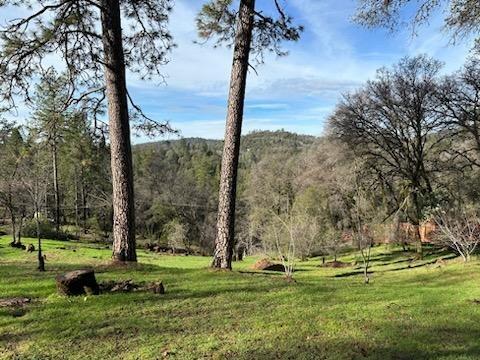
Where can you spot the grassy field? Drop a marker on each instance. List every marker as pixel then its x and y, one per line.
pixel 411 310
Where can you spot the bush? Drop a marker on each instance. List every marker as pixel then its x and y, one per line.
pixel 47 230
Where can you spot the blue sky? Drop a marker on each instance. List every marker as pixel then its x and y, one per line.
pixel 295 93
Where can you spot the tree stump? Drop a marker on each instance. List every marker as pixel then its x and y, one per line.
pixel 77 282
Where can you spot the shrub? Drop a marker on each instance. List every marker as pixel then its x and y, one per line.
pixel 47 230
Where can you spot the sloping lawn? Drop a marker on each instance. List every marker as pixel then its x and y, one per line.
pixel 410 310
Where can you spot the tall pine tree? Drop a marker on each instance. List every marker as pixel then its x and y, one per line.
pixel 251 32
pixel 88 36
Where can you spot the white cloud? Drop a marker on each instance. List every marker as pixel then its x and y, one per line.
pixel 301 89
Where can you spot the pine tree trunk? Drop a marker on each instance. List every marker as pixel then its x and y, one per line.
pixel 224 241
pixel 119 131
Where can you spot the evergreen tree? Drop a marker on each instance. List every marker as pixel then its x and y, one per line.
pixel 50 125
pixel 12 196
pixel 88 36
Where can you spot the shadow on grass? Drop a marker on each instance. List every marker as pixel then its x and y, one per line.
pixel 410 266
pixel 422 342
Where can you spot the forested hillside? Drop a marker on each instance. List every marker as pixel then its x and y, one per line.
pixel 177 183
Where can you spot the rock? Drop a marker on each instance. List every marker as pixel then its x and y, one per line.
pixel 77 282
pixel 18 312
pixel 30 248
pixel 157 288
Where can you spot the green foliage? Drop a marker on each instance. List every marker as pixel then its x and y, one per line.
pixel 218 19
pixel 47 228
pixel 178 181
pixel 71 31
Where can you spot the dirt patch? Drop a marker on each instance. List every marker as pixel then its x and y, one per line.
pixel 336 264
pixel 14 302
pixel 267 265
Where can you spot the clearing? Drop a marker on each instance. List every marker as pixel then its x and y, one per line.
pixel 411 310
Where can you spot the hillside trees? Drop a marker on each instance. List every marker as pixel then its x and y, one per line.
pixel 84 166
pixel 87 36
pixel 12 192
pixel 178 181
pixel 392 122
pixel 50 124
pixel 249 31
pixel 33 172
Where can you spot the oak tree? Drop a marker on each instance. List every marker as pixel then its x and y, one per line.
pixel 392 122
pixel 461 17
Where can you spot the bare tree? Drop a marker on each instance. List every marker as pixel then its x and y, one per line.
pixel 459 105
pixel 462 17
pixel 458 230
pixel 362 213
pixel 281 232
pixel 393 123
pixel 176 235
pixel 250 31
pixel 88 36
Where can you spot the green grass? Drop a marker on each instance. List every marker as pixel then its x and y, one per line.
pixel 422 312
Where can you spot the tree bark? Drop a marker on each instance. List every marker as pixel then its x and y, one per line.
pixel 224 241
pixel 14 228
pixel 20 228
pixel 119 131
pixel 416 224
